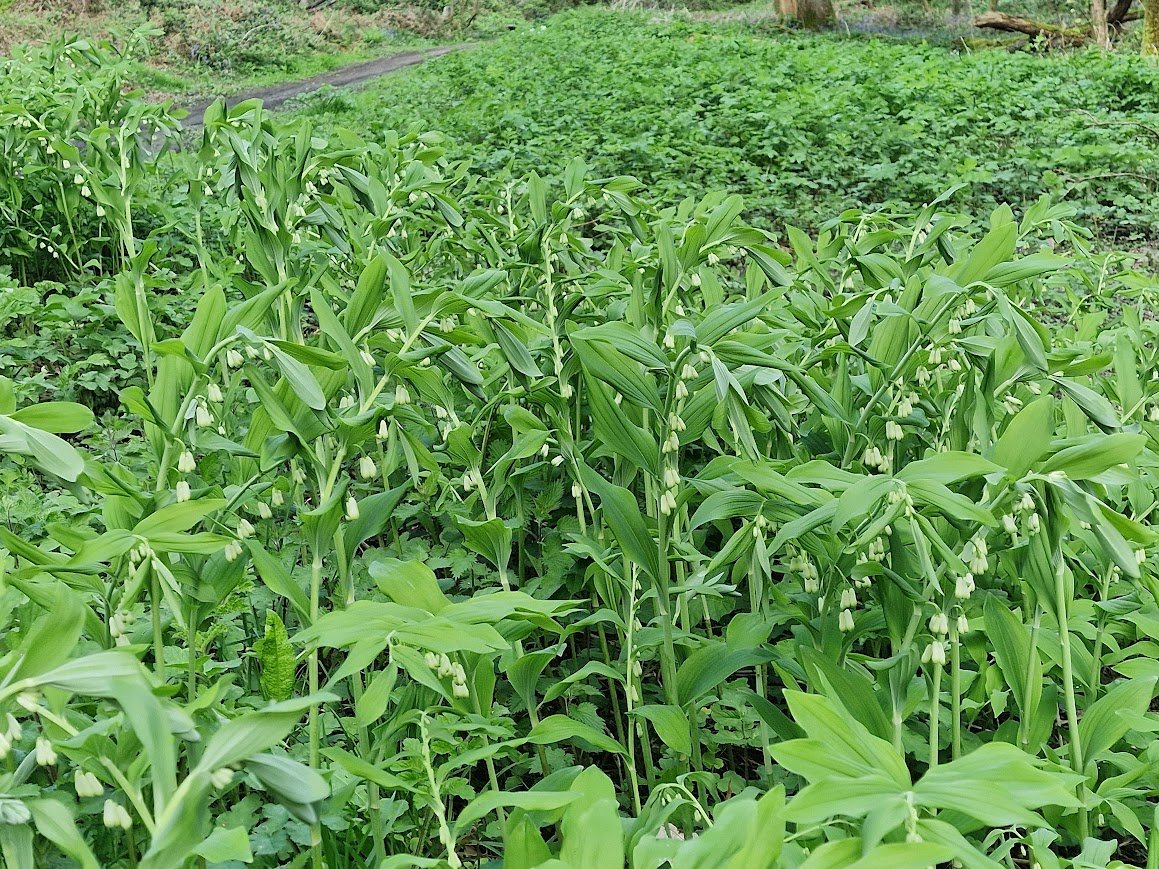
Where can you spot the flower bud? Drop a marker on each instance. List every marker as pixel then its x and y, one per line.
pixel 186 464
pixel 244 529
pixel 232 551
pixel 963 625
pixel 937 654
pixel 401 395
pixel 964 586
pixel 221 778
pixel 351 508
pixel 1034 523
pixel 367 468
pixel 213 393
pixel 848 599
pixel 845 621
pixel 202 416
pixel 460 691
pixel 939 624
pixel 115 816
pixel 87 785
pixel 182 492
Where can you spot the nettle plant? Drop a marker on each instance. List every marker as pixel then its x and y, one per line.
pixel 464 502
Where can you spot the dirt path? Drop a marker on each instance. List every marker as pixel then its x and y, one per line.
pixel 355 73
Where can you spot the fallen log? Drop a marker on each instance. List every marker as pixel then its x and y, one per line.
pixel 1117 16
pixel 994 20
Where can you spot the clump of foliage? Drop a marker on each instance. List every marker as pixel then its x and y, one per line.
pixel 469 518
pixel 801 126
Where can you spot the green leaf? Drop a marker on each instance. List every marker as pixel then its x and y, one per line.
pixel 372 704
pixel 177 517
pixel 1108 719
pixel 837 742
pixel 523 844
pixel 557 728
pixel 278 579
pixel 490 538
pixel 841 797
pixel 996 247
pixel 1019 662
pixel 727 504
pixel 671 725
pixel 226 844
pixel 277 660
pixel 618 433
pixel 254 732
pixel 524 673
pixel 708 667
pixel 1026 438
pixel 1096 407
pixel 56 823
pixel 1083 461
pixel 595 809
pixel 904 855
pixel 302 382
pixel 967 785
pixel 47 450
pixel 489 801
pixel 604 362
pixel 947 468
pixel 409 583
pixel 949 503
pixel 55 416
pixel 625 519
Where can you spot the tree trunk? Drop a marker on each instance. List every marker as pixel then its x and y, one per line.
pixel 787 8
pixel 1099 30
pixel 1118 14
pixel 814 14
pixel 1151 27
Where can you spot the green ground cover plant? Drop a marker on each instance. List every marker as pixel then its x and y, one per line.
pixel 801 126
pixel 227 46
pixel 441 516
